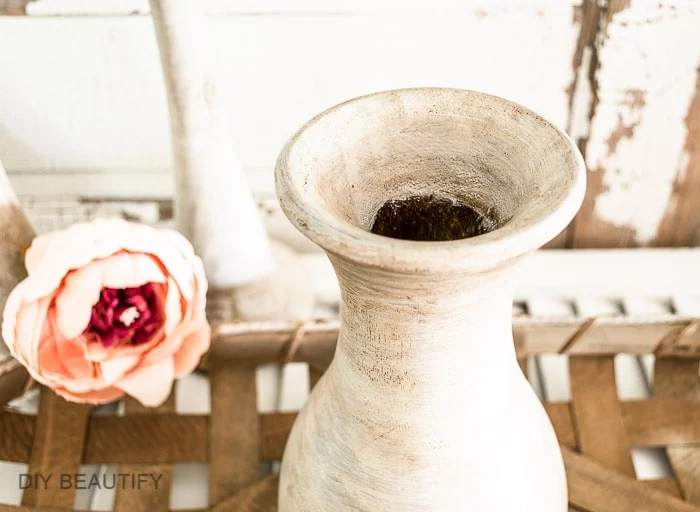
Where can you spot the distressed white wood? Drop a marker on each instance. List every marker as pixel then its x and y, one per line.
pixel 105 109
pixel 132 7
pixel 646 81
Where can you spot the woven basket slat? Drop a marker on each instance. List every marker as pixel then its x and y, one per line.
pixel 667 485
pixel 10 508
pixel 57 448
pixel 662 422
pixel 675 378
pixel 521 350
pixel 151 439
pixel 233 442
pixel 14 380
pixel 597 414
pixel 149 498
pixel 314 376
pixel 258 497
pixel 274 430
pixel 561 418
pixel 17 436
pixel 592 486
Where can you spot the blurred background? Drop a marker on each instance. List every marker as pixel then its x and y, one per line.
pixel 83 115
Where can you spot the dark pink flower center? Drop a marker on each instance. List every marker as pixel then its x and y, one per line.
pixel 125 316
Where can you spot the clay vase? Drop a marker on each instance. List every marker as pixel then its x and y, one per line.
pixel 424 407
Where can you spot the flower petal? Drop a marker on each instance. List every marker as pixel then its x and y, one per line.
pixel 150 385
pixel 114 369
pixel 29 326
pixel 98 396
pixel 130 270
pixel 195 344
pixel 79 293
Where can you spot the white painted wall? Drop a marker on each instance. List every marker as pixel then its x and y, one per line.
pixel 85 94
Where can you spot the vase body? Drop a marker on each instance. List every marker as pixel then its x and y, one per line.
pixel 424 407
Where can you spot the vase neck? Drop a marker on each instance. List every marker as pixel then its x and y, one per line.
pixel 397 325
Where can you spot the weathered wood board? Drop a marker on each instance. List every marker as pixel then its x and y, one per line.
pixel 641 146
pixel 620 76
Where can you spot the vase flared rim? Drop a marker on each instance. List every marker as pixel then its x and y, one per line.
pixel 539 220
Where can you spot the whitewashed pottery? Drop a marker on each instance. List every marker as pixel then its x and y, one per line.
pixel 424 407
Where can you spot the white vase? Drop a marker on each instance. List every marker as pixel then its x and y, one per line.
pixel 424 407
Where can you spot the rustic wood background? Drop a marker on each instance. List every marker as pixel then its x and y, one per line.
pixel 83 117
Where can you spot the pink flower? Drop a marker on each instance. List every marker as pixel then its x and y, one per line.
pixel 109 308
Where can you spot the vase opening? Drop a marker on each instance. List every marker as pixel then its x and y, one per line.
pixel 482 179
pixel 431 218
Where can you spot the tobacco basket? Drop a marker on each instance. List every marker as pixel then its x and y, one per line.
pixel 596 430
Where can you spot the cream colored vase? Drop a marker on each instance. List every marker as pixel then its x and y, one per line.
pixel 424 407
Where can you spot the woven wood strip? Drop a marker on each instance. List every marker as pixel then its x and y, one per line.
pixel 265 342
pixel 233 442
pixel 11 508
pixel 152 439
pixel 154 497
pixel 561 418
pixel 170 438
pixel 597 413
pixel 274 431
pixel 57 449
pixel 520 350
pixel 14 380
pixel 595 487
pixel 662 422
pixel 314 377
pixel 679 378
pixel 667 485
pixel 258 497
pixel 16 436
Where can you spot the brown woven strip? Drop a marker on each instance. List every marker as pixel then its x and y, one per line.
pixel 151 439
pixel 170 438
pixel 57 449
pixel 11 508
pixel 520 350
pixel 274 431
pixel 155 495
pixel 233 442
pixel 258 497
pixel 264 342
pixel 662 422
pixel 314 376
pixel 13 380
pixel 560 416
pixel 679 379
pixel 668 485
pixel 597 414
pixel 597 488
pixel 16 436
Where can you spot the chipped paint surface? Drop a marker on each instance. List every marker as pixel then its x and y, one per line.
pixel 646 82
pixel 580 121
